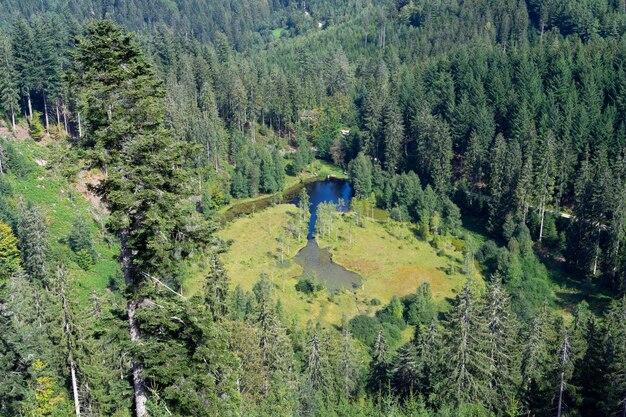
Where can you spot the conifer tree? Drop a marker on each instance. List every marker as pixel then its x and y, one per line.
pixel 394 138
pixel 24 53
pixel 504 358
pixel 616 376
pixel 33 235
pixel 379 367
pixel 9 94
pixel 122 103
pixel 467 352
pixel 217 286
pixel 538 363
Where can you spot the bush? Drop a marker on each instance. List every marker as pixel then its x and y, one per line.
pixel 365 328
pixel 458 245
pixel 84 259
pixel 393 313
pixel 80 240
pixel 309 286
pixel 375 302
pixel 36 129
pixel 14 161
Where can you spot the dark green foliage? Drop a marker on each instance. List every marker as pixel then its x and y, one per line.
pixel 33 235
pixel 80 239
pixel 512 110
pixel 308 286
pixel 361 176
pixel 301 157
pixel 419 308
pixel 365 328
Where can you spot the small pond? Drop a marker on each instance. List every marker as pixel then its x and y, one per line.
pixel 332 190
pixel 314 260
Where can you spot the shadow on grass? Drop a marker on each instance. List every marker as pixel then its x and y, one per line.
pixel 572 287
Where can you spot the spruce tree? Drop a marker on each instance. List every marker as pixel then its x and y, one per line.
pixel 538 364
pixel 504 355
pixel 9 94
pixel 24 53
pixel 467 352
pixel 33 235
pixel 217 286
pixel 616 376
pixel 379 366
pixel 145 188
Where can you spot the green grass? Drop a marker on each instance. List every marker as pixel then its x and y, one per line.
pixel 278 32
pixel 387 255
pixel 61 204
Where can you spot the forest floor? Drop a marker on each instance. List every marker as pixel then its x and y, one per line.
pixel 387 255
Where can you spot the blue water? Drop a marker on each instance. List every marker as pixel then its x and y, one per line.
pixel 324 192
pixel 318 262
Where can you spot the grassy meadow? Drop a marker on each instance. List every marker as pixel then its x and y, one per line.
pixel 387 255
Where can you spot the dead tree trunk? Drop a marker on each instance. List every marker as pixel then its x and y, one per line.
pixel 138 383
pixel 70 348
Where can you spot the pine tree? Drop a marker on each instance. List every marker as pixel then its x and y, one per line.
pixel 467 352
pixel 9 94
pixel 145 191
pixel 217 286
pixel 502 336
pixel 33 235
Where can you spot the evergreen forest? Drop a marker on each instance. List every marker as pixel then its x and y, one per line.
pixel 154 164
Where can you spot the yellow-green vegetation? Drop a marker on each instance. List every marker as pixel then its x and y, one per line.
pixel 387 255
pixel 257 246
pixel 392 260
pixel 61 203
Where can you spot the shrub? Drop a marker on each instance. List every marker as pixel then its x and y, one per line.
pixel 308 285
pixel 375 302
pixel 84 259
pixel 458 245
pixel 365 328
pixel 36 129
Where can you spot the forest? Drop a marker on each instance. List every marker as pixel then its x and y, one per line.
pixel 488 135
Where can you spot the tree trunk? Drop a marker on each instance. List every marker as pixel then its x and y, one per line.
pixel 70 356
pixel 543 213
pixel 45 110
pixel 13 118
pixel 64 112
pixel 80 127
pixel 30 106
pixel 133 327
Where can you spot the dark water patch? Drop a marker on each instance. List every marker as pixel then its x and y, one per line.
pixel 334 191
pixel 318 263
pixel 315 261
